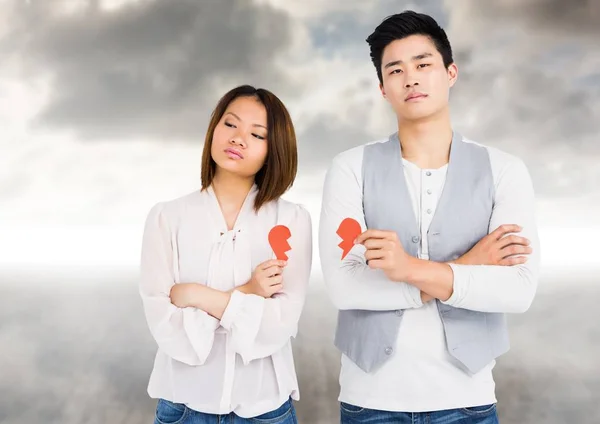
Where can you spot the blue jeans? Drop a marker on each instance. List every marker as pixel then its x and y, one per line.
pixel 351 414
pixel 176 413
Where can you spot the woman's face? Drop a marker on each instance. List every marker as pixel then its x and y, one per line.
pixel 239 143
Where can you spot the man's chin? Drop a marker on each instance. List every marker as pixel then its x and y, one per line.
pixel 416 117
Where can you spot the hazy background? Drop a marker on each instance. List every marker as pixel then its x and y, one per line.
pixel 103 108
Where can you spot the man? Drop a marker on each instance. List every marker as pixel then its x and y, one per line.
pixel 449 246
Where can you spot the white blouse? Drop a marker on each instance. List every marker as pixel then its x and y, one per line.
pixel 243 362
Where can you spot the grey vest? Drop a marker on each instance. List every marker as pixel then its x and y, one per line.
pixel 461 219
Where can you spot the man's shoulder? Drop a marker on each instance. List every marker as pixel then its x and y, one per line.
pixel 502 162
pixel 499 157
pixel 353 156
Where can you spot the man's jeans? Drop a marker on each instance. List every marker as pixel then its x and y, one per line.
pixel 486 414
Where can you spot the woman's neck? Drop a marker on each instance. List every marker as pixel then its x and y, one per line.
pixel 228 185
pixel 231 191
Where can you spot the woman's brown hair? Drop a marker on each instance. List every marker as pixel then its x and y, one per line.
pixel 277 174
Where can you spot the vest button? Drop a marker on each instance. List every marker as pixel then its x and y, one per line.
pixel 399 312
pixel 388 350
pixel 415 239
pixel 428 173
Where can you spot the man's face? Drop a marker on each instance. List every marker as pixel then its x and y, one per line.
pixel 415 80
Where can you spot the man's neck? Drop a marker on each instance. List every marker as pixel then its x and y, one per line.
pixel 426 143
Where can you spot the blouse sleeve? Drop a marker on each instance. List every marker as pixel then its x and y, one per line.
pixel 185 334
pixel 260 327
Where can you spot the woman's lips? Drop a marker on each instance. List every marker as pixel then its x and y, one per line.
pixel 234 154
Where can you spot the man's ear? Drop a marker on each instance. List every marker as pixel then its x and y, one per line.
pixel 382 91
pixel 452 74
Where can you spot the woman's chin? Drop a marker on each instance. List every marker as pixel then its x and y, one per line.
pixel 234 168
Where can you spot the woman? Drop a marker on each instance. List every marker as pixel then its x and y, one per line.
pixel 220 306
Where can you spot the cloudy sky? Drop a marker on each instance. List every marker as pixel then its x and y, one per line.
pixel 104 104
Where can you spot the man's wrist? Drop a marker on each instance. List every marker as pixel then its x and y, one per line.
pixel 426 297
pixel 244 288
pixel 413 269
pixel 433 278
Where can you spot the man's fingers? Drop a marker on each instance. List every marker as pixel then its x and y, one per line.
pixel 512 239
pixel 377 264
pixel 505 229
pixel 373 244
pixel 374 254
pixel 375 234
pixel 515 249
pixel 513 260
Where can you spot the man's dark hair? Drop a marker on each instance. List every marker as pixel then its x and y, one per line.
pixel 405 24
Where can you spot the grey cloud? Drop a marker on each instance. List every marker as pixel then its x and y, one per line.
pixel 524 86
pixel 574 16
pixel 156 68
pixel 151 68
pixel 343 33
pixel 326 137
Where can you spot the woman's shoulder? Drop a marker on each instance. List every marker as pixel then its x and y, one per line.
pixel 291 211
pixel 172 209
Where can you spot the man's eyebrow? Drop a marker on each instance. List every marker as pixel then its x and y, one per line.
pixel 399 62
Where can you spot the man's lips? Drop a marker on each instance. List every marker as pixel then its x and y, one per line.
pixel 233 153
pixel 414 96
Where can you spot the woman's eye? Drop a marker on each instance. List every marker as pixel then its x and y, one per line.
pixel 260 137
pixel 227 124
